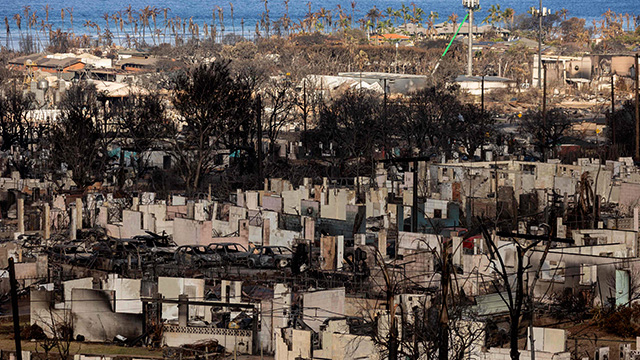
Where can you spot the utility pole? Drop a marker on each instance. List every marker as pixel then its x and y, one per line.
pixel 14 308
pixel 544 113
pixel 384 81
pixel 443 351
pixel 540 43
pixel 532 289
pixel 392 344
pixel 544 96
pixel 304 103
pixel 259 121
pixel 613 110
pixel 414 208
pixel 304 110
pixel 470 63
pixel 471 5
pixel 637 107
pixel 482 95
pixel 386 116
pixel 540 12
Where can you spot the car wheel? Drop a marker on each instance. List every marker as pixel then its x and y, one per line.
pixel 282 264
pixel 251 264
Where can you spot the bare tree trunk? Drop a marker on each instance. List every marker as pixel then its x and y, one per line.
pixel 516 311
pixel 443 351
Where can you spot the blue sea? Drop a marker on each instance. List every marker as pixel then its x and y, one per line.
pixel 251 10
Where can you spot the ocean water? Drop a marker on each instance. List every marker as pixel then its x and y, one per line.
pixel 250 10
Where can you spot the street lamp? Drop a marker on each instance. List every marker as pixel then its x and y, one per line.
pixel 540 13
pixel 471 5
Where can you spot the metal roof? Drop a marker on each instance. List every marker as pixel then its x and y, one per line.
pixel 463 78
pixel 491 304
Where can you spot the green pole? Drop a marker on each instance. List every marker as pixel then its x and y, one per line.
pixel 454 36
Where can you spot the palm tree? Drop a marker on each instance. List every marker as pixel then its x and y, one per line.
pixel 70 12
pixel 221 18
pixel 143 17
pixel 106 18
pixel 417 18
pixel 42 33
pixel 6 24
pixel 433 16
pixel 46 9
pixel 122 28
pixel 374 15
pixel 416 14
pixel 342 24
pixel 266 17
pixel 18 20
pixel 88 24
pixel 627 17
pixel 214 30
pixel 494 16
pixel 324 17
pixel 389 12
pixel 369 25
pixel 563 13
pixel 98 33
pixel 453 18
pixel 33 21
pixel 309 19
pixel 166 24
pixel 329 18
pixel 404 10
pixel 353 9
pixel 508 15
pixel 233 26
pixel 27 17
pixel 116 21
pixel 286 20
pixel 130 20
pixel 154 15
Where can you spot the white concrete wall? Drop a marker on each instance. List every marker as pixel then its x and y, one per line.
pixel 172 288
pixel 127 293
pixel 321 305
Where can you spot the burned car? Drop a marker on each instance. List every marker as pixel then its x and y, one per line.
pixel 118 254
pixel 73 252
pixel 198 256
pixel 278 257
pixel 160 249
pixel 231 253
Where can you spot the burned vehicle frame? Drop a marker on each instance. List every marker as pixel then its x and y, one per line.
pixel 278 257
pixel 231 253
pixel 198 256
